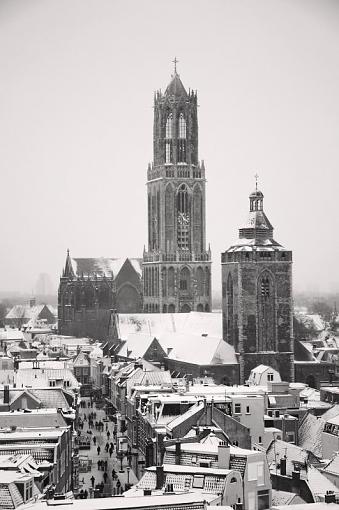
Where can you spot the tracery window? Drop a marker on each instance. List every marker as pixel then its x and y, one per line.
pixel 169 124
pixel 168 139
pixel 182 126
pixel 183 218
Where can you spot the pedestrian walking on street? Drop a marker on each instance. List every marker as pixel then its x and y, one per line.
pixel 98 450
pixel 92 480
pixel 94 440
pixel 108 434
pixel 105 477
pixel 113 474
pixel 99 465
pixel 110 452
pixel 86 493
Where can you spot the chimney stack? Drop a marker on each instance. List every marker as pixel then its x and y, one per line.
pixel 224 453
pixel 283 467
pixel 177 453
pixel 160 477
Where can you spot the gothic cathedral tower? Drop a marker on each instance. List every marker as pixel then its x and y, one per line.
pixel 257 296
pixel 176 266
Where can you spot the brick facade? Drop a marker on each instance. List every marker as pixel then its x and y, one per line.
pixel 257 297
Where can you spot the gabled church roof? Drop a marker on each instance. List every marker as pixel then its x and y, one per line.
pixel 100 266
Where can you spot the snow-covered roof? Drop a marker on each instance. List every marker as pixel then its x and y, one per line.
pixel 29 313
pixel 156 324
pixel 103 266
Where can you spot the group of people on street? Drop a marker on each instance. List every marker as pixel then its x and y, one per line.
pixel 95 422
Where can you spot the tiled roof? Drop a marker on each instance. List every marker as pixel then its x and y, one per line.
pixel 319 484
pixel 49 398
pixel 31 420
pixel 285 498
pixel 28 312
pixel 238 463
pixel 309 434
pixel 10 496
pixel 41 377
pixel 294 454
pixel 333 465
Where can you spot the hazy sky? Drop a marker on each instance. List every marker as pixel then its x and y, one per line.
pixel 76 94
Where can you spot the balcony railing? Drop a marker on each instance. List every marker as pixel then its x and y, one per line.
pixel 179 256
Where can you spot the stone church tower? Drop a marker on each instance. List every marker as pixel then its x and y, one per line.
pixel 257 296
pixel 176 266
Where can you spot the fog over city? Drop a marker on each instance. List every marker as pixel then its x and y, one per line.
pixel 76 126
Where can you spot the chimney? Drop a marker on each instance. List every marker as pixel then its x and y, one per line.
pixel 6 394
pixel 160 477
pixel 295 475
pixel 295 482
pixel 177 453
pixel 224 456
pixel 329 497
pixel 283 467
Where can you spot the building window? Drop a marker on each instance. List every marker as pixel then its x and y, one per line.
pixel 182 126
pixel 237 408
pixel 290 437
pixel 183 218
pixel 270 376
pixel 265 287
pixel 198 482
pixel 52 383
pixel 247 409
pixel 169 124
pixel 169 151
pixel 260 439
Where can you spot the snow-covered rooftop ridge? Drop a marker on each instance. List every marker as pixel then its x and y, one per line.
pixel 103 265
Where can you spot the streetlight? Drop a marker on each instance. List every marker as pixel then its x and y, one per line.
pixel 128 471
pixel 121 456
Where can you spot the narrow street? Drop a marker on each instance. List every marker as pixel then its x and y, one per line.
pixel 111 487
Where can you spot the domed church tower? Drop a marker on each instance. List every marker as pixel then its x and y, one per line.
pixel 257 296
pixel 176 265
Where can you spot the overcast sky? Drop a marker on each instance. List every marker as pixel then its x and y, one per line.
pixel 76 94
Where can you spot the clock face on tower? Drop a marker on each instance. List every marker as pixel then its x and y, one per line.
pixel 183 219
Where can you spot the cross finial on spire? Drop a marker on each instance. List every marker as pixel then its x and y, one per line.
pixel 256 181
pixel 175 61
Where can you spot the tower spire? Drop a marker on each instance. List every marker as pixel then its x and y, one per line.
pixel 256 181
pixel 175 61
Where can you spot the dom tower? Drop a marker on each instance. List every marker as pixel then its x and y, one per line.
pixel 176 266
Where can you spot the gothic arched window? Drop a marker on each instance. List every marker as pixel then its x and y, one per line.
pixel 182 126
pixel 169 124
pixel 229 295
pixel 266 312
pixel 183 218
pixel 171 282
pixel 200 281
pixel 182 139
pixel 168 139
pixel 185 280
